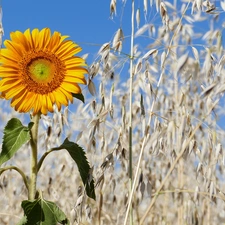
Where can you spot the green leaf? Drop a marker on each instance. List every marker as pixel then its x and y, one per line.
pixel 15 135
pixel 42 212
pixel 79 156
pixel 79 96
pixel 23 221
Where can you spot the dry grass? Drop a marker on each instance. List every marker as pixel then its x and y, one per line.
pixel 178 85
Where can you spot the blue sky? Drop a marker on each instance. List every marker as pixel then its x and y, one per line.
pixel 85 21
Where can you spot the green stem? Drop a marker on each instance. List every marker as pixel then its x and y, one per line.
pixel 44 156
pixel 19 171
pixel 33 159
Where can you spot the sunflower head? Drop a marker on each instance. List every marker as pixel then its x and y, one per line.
pixel 39 70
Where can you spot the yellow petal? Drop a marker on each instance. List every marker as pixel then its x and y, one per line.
pixel 23 41
pixel 54 42
pixel 49 103
pixel 18 97
pixel 27 34
pixel 15 48
pixel 60 97
pixel 4 69
pixel 76 71
pixel 28 102
pixel 18 100
pixel 35 37
pixel 37 104
pixel 74 60
pixel 44 37
pixel 72 79
pixel 70 53
pixel 65 46
pixel 10 84
pixel 8 80
pixel 67 94
pixel 51 97
pixel 8 54
pixel 9 74
pixel 14 91
pixel 43 104
pixel 73 88
pixel 14 37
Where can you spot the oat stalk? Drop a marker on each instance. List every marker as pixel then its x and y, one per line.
pixel 131 106
pixel 203 193
pixel 146 137
pixel 172 167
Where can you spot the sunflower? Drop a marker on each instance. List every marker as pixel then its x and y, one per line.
pixel 39 70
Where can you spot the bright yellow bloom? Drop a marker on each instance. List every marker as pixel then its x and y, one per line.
pixel 39 70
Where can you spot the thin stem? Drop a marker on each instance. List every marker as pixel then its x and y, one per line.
pixel 131 102
pixel 19 171
pixel 203 193
pixel 135 180
pixel 44 156
pixel 131 93
pixel 33 160
pixel 40 162
pixel 146 137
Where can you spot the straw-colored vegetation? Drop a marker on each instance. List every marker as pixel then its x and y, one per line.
pixel 175 116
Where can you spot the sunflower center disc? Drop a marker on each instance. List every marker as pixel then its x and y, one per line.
pixel 41 70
